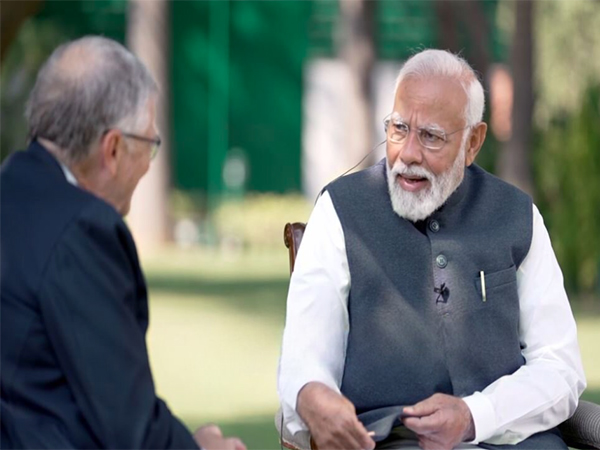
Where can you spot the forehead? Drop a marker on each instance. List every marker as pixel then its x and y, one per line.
pixel 431 100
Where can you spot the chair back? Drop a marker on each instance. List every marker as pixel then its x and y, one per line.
pixel 292 237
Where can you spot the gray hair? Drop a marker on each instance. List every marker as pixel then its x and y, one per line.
pixel 85 88
pixel 441 63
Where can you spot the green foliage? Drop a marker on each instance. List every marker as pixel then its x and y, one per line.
pixel 566 154
pixel 35 42
pixel 567 162
pixel 567 55
pixel 56 23
pixel 253 221
pixel 258 221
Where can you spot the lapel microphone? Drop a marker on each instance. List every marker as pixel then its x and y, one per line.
pixel 442 292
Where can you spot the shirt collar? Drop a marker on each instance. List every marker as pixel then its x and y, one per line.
pixel 68 174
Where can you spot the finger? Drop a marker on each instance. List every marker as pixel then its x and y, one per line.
pixel 363 436
pixel 368 443
pixel 351 437
pixel 424 408
pixel 236 444
pixel 212 429
pixel 335 438
pixel 347 442
pixel 424 425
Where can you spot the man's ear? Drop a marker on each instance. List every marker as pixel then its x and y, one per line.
pixel 475 141
pixel 111 150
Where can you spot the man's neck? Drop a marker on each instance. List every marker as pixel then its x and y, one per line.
pixel 74 170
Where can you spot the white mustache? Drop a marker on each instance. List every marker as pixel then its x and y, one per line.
pixel 414 171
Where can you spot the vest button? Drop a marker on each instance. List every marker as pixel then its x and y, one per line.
pixel 441 261
pixel 434 226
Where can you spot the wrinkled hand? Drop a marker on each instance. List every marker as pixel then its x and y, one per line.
pixel 331 419
pixel 441 422
pixel 210 437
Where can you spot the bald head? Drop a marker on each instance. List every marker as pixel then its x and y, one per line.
pixel 81 58
pixel 87 87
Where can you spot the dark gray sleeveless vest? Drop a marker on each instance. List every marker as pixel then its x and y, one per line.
pixel 418 321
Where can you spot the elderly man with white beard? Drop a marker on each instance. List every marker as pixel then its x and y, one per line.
pixel 426 294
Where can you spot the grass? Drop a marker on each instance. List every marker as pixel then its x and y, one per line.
pixel 214 339
pixel 588 327
pixel 215 334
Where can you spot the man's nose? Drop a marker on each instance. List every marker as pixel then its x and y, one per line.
pixel 412 150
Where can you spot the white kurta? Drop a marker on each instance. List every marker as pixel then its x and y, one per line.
pixel 541 394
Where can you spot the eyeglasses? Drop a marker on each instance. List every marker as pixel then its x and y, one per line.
pixel 154 141
pixel 430 138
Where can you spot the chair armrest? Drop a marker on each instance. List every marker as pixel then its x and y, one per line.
pixel 582 430
pixel 300 441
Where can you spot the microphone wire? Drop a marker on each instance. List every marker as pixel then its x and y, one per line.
pixel 353 167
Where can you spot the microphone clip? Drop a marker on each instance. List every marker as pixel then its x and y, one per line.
pixel 442 292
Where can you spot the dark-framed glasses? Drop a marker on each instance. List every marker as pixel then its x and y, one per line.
pixel 432 138
pixel 155 142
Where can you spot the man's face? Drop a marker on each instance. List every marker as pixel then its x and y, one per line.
pixel 135 162
pixel 421 179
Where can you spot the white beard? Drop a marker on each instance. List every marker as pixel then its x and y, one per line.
pixel 419 205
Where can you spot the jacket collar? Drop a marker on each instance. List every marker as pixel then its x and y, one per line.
pixel 42 153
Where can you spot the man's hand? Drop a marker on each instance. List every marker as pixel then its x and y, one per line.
pixel 441 422
pixel 210 437
pixel 331 419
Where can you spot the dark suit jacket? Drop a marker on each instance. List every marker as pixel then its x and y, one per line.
pixel 74 314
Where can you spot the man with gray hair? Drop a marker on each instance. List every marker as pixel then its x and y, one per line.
pixel 75 369
pixel 426 307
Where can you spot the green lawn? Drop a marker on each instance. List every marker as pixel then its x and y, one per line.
pixel 214 339
pixel 215 335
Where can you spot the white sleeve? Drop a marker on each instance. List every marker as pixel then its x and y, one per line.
pixel 316 328
pixel 545 391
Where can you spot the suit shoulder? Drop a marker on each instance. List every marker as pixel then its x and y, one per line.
pixel 98 227
pixel 40 212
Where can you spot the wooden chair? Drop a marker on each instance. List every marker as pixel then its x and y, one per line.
pixel 581 431
pixel 292 237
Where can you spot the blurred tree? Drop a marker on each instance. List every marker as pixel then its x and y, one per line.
pixel 356 47
pixel 14 13
pixel 32 45
pixel 567 116
pixel 567 164
pixel 447 25
pixel 567 57
pixel 479 32
pixel 147 37
pixel 33 37
pixel 514 163
pixel 454 15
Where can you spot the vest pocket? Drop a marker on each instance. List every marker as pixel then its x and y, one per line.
pixel 483 340
pixel 495 280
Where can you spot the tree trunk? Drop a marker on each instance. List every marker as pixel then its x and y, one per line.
pixel 13 14
pixel 514 163
pixel 479 30
pixel 447 25
pixel 147 37
pixel 356 47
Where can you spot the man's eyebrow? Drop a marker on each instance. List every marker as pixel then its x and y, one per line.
pixel 396 116
pixel 432 127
